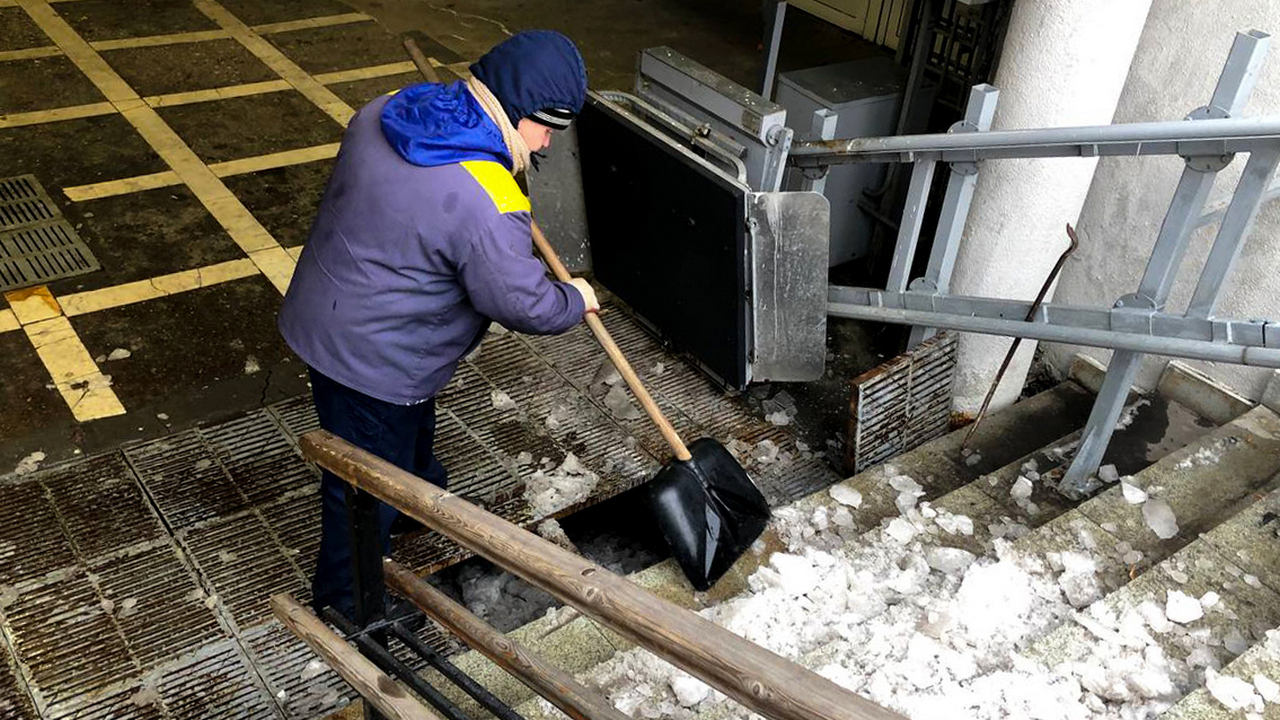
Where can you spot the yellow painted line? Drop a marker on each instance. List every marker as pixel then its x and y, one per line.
pixel 74 47
pixel 365 73
pixel 86 390
pixel 158 40
pixel 123 186
pixel 315 22
pixel 222 93
pixel 321 96
pixel 9 321
pixel 33 304
pixel 29 53
pixel 37 117
pixel 296 252
pixel 275 160
pixel 90 301
pixel 276 264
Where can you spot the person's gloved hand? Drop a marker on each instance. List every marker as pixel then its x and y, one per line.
pixel 587 292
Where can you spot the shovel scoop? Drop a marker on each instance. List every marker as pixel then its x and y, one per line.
pixel 703 501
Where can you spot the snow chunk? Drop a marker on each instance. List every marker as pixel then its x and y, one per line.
pixel 780 418
pixel 796 575
pixel 548 492
pixel 1021 489
pixel 689 691
pixel 502 401
pixel 1232 692
pixel 901 530
pixel 29 464
pixel 119 354
pixel 845 495
pixel 1182 608
pixel 950 561
pixel 619 403
pixel 1132 494
pixel 1108 474
pixel 1209 599
pixel 955 524
pixel 251 365
pixel 1160 519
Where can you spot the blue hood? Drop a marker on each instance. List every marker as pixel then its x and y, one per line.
pixel 432 124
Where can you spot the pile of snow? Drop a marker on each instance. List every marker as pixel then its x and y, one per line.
pixel 780 409
pixel 551 489
pixel 502 401
pixel 906 619
pixel 30 463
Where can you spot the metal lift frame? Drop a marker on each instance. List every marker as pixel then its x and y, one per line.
pixel 1137 323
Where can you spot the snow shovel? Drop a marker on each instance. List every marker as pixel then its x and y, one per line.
pixel 706 506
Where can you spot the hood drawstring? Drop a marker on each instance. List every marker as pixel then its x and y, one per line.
pixel 516 145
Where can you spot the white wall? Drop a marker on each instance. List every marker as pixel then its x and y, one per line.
pixel 1063 63
pixel 1175 69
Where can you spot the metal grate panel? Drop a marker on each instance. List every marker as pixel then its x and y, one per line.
pixel 296 522
pixel 902 404
pixel 215 683
pixel 31 539
pixel 184 479
pixel 66 641
pixel 245 565
pixel 124 703
pixel 261 459
pixel 297 415
pixel 101 505
pixel 303 685
pixel 15 703
pixel 157 604
pixel 37 244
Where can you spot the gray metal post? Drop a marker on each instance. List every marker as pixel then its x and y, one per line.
pixel 823 127
pixel 773 20
pixel 904 251
pixel 955 205
pixel 1234 86
pixel 1235 227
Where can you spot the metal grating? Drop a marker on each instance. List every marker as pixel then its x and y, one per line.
pixel 303 685
pixel 245 565
pixel 158 605
pixel 31 539
pixel 296 522
pixel 297 415
pixel 901 404
pixel 101 505
pixel 15 703
pixel 123 703
pixel 261 459
pixel 184 479
pixel 68 644
pixel 37 244
pixel 216 683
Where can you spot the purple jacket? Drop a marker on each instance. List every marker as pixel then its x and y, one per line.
pixel 407 263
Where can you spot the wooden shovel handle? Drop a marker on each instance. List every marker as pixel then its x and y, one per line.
pixel 615 354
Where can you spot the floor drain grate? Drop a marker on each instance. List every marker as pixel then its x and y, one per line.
pixel 37 244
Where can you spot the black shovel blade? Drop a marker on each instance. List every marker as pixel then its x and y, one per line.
pixel 709 511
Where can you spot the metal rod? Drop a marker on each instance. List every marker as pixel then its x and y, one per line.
pixel 1013 347
pixel 1178 347
pixel 550 682
pixel 420 61
pixel 465 682
pixel 374 686
pixel 389 663
pixel 1171 137
pixel 759 679
pixel 773 21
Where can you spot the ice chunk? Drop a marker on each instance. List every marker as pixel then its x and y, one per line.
pixel 1021 489
pixel 1232 692
pixel 619 403
pixel 550 490
pixel 119 354
pixel 780 418
pixel 1179 577
pixel 1266 687
pixel 251 365
pixel 1234 642
pixel 955 524
pixel 845 495
pixel 1182 608
pixel 659 369
pixel 797 575
pixel 689 691
pixel 1160 519
pixel 1132 494
pixel 901 529
pixel 1209 599
pixel 973 459
pixel 1133 557
pixel 315 668
pixel 1108 474
pixel 904 483
pixel 765 451
pixel 606 374
pixel 502 401
pixel 842 518
pixel 951 561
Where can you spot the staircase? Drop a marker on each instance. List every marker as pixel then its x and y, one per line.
pixel 1102 579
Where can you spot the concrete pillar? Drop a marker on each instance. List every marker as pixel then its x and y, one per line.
pixel 1063 64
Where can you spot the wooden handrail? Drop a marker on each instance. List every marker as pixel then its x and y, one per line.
pixel 375 686
pixel 759 679
pixel 557 686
